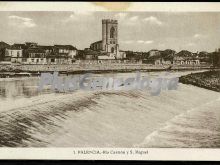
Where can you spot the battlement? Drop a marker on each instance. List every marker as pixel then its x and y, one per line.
pixel 109 21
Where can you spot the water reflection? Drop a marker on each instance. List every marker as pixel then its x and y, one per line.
pixel 18 88
pixel 21 88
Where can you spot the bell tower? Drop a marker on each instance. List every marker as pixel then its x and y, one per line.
pixel 110 37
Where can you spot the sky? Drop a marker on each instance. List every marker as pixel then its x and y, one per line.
pixel 138 31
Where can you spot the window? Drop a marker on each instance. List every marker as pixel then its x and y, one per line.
pixel 18 54
pixel 52 60
pixel 112 32
pixel 37 55
pixel 112 50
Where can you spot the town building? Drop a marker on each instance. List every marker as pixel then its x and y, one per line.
pixel 32 53
pixel 185 57
pixel 47 49
pixel 14 53
pixel 186 61
pixel 90 54
pixel 35 55
pixel 64 54
pixel 121 55
pixel 154 60
pixel 154 52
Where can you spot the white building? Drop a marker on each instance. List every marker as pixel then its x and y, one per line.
pixel 14 54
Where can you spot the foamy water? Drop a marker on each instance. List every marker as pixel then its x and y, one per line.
pixel 187 117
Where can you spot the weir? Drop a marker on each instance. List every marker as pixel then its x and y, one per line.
pixel 88 83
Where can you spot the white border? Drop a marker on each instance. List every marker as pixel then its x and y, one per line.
pixel 68 153
pixel 76 154
pixel 133 6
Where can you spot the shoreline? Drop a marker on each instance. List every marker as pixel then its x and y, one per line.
pixel 7 71
pixel 208 80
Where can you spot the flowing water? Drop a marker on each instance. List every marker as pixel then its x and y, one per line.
pixel 186 117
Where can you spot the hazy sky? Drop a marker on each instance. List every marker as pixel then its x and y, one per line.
pixel 138 31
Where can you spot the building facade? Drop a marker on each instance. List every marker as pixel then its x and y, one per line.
pixel 109 44
pixel 65 54
pixel 31 53
pixel 13 54
pixel 186 61
pixel 110 37
pixel 35 55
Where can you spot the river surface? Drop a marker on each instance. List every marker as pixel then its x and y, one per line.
pixel 186 117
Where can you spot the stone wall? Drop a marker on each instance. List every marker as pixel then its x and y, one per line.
pixel 88 67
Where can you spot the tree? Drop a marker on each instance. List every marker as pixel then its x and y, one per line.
pixel 3 46
pixel 215 56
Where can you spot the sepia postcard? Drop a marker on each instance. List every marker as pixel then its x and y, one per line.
pixel 110 80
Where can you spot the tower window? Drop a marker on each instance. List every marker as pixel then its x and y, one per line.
pixel 112 50
pixel 112 32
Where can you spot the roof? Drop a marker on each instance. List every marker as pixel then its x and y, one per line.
pixel 35 50
pixel 91 52
pixel 96 42
pixel 3 45
pixel 13 47
pixel 27 43
pixel 70 47
pixel 18 46
pixel 45 47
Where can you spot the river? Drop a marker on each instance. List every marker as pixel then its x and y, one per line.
pixel 186 117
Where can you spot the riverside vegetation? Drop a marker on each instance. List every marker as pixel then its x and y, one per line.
pixel 208 80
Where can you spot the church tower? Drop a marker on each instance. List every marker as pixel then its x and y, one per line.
pixel 110 37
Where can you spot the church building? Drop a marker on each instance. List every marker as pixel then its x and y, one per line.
pixel 108 46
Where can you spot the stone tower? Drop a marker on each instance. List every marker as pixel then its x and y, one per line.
pixel 110 37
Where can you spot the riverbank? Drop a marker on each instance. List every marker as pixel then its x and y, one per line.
pixel 13 70
pixel 208 80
